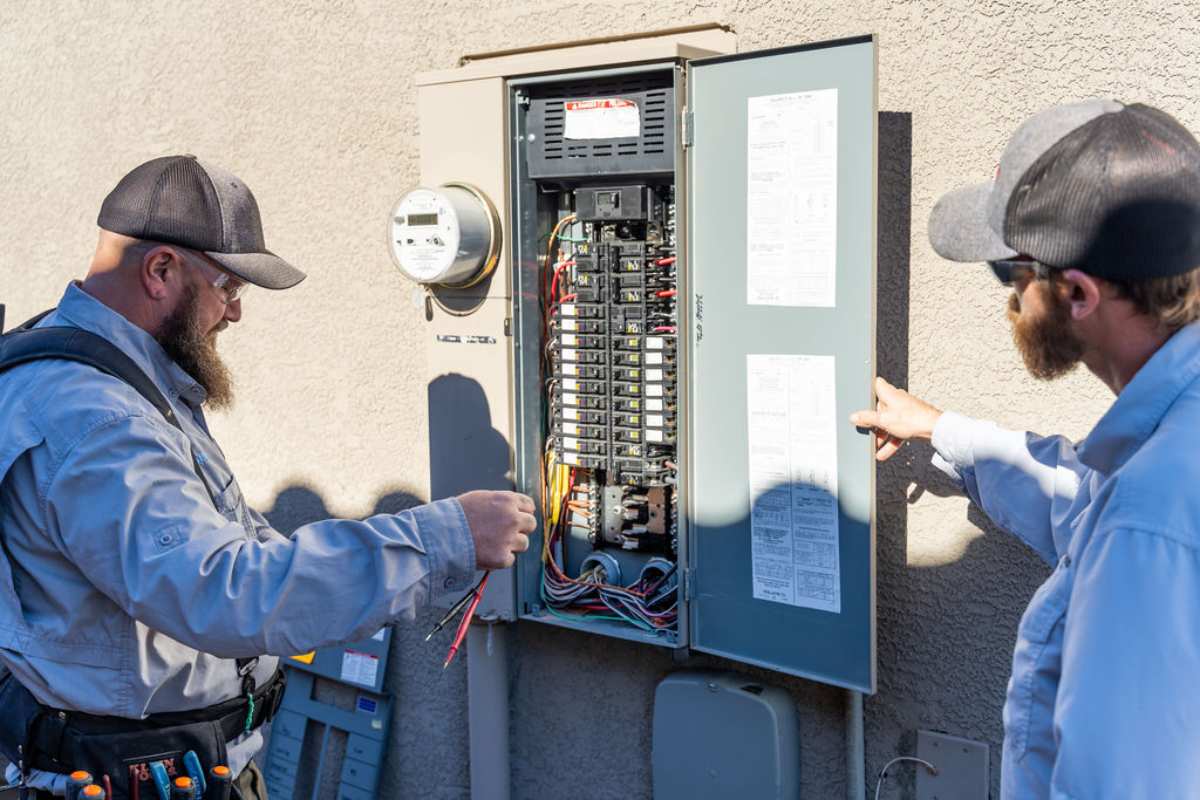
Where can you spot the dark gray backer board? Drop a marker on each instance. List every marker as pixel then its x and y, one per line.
pixel 836 648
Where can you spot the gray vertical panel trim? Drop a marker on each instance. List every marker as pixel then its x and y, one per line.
pixel 726 619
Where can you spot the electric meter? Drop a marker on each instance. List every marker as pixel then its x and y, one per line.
pixel 448 236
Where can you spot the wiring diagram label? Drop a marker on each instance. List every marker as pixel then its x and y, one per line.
pixel 791 199
pixel 791 400
pixel 601 118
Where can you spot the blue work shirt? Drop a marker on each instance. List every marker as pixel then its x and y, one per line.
pixel 1103 699
pixel 127 591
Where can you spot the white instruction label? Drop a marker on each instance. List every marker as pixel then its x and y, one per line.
pixel 654 436
pixel 570 369
pixel 654 420
pixel 793 480
pixel 654 390
pixel 601 118
pixel 571 428
pixel 570 324
pixel 791 208
pixel 567 309
pixel 570 413
pixel 654 358
pixel 654 405
pixel 360 668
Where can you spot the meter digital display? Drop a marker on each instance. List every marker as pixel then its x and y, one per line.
pixel 449 236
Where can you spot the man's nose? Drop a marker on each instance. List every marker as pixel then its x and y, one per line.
pixel 233 311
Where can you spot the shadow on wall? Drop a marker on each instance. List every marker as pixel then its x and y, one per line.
pixel 428 748
pixel 465 451
pixel 945 633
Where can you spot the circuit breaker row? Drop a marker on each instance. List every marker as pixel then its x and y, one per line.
pixel 613 350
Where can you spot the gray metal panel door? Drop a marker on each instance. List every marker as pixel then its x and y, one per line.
pixel 782 351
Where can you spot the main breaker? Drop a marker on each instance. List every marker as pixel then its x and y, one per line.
pixel 649 288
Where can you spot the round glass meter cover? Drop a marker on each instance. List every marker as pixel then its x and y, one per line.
pixel 425 235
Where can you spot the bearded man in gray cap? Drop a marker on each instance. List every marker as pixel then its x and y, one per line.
pixel 143 604
pixel 1093 219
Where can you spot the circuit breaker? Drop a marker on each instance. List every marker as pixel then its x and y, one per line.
pixel 648 275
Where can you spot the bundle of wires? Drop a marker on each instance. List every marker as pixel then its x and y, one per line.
pixel 649 603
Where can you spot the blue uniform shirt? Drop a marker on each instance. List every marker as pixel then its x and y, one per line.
pixel 1103 699
pixel 125 591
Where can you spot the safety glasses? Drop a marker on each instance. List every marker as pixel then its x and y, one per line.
pixel 1009 270
pixel 230 288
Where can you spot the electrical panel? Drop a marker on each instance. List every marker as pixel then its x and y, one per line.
pixel 596 163
pixel 649 317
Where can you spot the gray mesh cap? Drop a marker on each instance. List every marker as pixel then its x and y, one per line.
pixel 181 200
pixel 1110 189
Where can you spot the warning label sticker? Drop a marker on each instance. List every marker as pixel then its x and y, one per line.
pixel 601 118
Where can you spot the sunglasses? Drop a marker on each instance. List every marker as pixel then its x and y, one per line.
pixel 1008 270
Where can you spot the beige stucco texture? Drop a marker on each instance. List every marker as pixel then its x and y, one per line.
pixel 313 105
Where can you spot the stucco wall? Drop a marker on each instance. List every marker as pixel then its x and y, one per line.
pixel 312 104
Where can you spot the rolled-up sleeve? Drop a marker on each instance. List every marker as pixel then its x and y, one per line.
pixel 1127 705
pixel 1013 476
pixel 127 509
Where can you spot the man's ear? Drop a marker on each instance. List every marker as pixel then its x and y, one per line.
pixel 160 268
pixel 1080 291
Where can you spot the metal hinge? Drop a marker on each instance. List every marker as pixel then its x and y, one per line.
pixel 508 326
pixel 689 584
pixel 687 125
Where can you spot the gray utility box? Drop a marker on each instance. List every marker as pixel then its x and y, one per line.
pixel 753 177
pixel 719 736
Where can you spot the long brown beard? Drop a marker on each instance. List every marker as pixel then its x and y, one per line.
pixel 196 351
pixel 1046 343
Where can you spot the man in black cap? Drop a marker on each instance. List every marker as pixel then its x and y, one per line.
pixel 143 604
pixel 1093 219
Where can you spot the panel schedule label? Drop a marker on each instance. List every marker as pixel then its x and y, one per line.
pixel 791 199
pixel 795 542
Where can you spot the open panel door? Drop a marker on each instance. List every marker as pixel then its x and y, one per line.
pixel 781 234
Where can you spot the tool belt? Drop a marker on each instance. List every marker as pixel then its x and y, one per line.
pixel 63 741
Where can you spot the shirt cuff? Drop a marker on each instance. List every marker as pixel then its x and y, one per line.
pixel 449 547
pixel 954 438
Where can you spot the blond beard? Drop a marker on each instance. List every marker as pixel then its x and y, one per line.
pixel 1046 342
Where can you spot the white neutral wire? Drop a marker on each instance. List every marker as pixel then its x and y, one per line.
pixel 883 772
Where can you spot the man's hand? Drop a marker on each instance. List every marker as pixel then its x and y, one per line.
pixel 897 418
pixel 500 523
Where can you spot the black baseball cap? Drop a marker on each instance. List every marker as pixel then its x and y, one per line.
pixel 1106 188
pixel 182 200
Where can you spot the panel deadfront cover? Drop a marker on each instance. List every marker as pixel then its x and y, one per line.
pixel 782 256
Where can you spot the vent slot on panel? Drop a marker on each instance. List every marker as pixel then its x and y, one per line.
pixel 551 155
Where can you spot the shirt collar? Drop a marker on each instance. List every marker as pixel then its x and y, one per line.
pixel 84 311
pixel 1143 403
